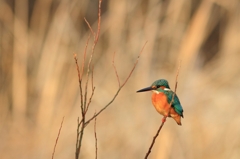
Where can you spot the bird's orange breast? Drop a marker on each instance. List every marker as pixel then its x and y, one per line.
pixel 160 103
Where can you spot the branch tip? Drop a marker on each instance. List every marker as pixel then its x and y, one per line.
pixel 59 131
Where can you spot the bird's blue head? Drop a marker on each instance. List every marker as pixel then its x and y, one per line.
pixel 159 84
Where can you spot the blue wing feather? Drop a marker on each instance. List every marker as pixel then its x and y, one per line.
pixel 176 103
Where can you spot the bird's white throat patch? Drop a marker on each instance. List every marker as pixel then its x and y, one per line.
pixel 155 91
pixel 167 89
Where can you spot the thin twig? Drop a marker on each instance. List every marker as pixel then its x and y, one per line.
pixel 89 26
pixel 99 20
pixel 94 116
pixel 93 89
pixel 92 77
pixel 115 69
pixel 165 117
pixel 90 100
pixel 175 89
pixel 59 131
pixel 79 133
pixel 78 126
pixel 79 81
pixel 154 138
pixel 95 135
pixel 80 136
pixel 135 64
pixel 84 57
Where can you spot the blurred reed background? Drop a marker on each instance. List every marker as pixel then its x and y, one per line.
pixel 39 83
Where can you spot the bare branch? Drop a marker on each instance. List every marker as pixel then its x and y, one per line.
pixel 99 23
pixel 80 136
pixel 115 69
pixel 119 89
pixel 59 131
pixel 76 61
pixel 90 100
pixel 135 64
pixel 79 81
pixel 78 143
pixel 84 105
pixel 92 77
pixel 154 138
pixel 176 83
pixel 93 89
pixel 84 57
pixel 95 135
pixel 94 116
pixel 89 26
pixel 99 20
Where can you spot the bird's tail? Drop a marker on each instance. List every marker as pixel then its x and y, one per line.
pixel 178 119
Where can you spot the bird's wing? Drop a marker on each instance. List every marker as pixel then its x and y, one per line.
pixel 176 103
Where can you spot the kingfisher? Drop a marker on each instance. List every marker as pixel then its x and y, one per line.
pixel 161 99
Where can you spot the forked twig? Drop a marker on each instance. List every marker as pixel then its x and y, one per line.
pixel 119 89
pixel 165 117
pixel 89 26
pixel 59 131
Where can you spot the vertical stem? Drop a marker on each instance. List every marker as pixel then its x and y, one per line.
pixel 77 143
pixel 81 137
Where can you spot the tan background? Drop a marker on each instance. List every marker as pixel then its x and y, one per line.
pixel 38 78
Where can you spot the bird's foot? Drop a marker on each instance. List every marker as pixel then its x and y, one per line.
pixel 163 119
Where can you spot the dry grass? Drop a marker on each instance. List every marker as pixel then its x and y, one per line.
pixel 39 84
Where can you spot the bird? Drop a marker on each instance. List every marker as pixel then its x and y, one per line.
pixel 161 99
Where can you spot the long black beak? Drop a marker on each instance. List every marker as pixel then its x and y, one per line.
pixel 145 89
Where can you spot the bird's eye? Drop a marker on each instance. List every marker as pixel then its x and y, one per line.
pixel 154 87
pixel 158 86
